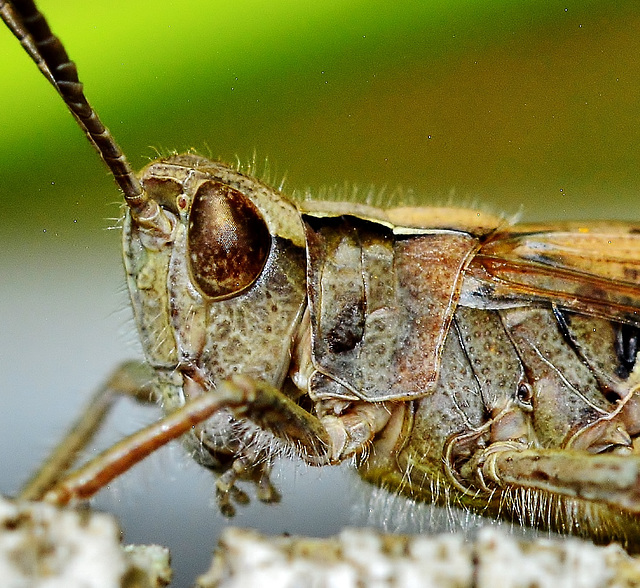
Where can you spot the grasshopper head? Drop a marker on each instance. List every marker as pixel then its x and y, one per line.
pixel 223 291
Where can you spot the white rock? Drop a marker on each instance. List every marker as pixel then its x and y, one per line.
pixel 42 546
pixel 365 558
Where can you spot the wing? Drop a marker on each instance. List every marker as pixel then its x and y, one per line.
pixel 590 268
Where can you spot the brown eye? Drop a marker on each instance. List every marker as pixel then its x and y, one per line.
pixel 524 395
pixel 228 240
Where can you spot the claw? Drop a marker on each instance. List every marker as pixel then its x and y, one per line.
pixel 239 496
pixel 266 491
pixel 604 435
pixel 225 506
pixel 228 493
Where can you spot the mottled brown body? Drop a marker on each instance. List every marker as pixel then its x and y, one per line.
pixel 458 358
pixel 423 349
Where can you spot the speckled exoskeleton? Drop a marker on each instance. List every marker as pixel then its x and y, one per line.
pixel 457 357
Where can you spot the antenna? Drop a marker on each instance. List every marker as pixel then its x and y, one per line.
pixel 30 27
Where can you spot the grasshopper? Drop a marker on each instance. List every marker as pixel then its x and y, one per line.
pixel 452 355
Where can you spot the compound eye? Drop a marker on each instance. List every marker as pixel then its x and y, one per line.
pixel 228 241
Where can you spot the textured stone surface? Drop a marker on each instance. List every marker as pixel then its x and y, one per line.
pixel 45 547
pixel 365 558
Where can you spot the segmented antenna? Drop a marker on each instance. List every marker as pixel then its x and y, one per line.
pixel 30 27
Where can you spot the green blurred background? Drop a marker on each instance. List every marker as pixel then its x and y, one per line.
pixel 530 105
pixel 502 104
